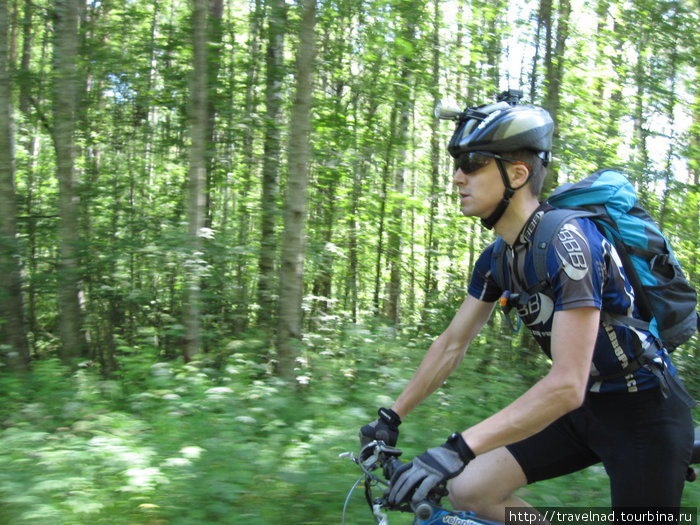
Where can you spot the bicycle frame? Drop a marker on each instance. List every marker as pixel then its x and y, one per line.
pixel 451 517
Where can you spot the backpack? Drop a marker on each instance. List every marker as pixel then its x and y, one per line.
pixel 664 298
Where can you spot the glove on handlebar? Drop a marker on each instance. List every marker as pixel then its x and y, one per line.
pixel 429 470
pixel 385 428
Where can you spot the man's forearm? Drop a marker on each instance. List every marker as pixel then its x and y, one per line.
pixel 437 365
pixel 444 355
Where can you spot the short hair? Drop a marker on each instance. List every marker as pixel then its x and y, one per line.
pixel 536 165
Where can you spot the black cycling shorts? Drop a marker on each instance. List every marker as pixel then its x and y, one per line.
pixel 643 440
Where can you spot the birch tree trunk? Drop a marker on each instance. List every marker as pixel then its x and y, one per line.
pixel 293 242
pixel 197 182
pixel 65 96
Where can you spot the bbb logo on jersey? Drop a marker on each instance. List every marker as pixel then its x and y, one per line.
pixel 537 311
pixel 573 261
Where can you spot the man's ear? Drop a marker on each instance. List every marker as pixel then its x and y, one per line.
pixel 519 175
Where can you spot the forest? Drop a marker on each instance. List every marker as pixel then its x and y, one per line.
pixel 228 233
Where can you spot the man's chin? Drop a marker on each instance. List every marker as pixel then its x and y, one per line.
pixel 467 211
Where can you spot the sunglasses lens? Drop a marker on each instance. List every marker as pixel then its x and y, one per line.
pixel 470 162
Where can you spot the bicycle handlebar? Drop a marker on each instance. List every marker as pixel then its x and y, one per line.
pixel 377 455
pixel 390 466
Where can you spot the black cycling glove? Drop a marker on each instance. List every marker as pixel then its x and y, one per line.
pixel 414 480
pixel 385 429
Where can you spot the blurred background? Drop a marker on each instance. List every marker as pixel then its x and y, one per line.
pixel 228 234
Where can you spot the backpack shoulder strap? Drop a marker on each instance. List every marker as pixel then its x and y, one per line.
pixel 550 224
pixel 498 256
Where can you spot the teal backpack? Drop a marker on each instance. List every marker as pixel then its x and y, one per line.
pixel 664 298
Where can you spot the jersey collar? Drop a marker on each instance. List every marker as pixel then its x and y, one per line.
pixel 531 225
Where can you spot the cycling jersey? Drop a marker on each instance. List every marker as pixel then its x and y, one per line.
pixel 584 270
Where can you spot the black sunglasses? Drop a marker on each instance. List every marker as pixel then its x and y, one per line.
pixel 475 160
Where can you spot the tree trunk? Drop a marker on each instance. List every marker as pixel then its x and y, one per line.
pixel 670 155
pixel 31 143
pixel 197 181
pixel 65 95
pixel 243 277
pixel 404 103
pixel 395 233
pixel 293 242
pixel 353 225
pixel 271 160
pixel 213 45
pixel 383 196
pixel 14 326
pixel 27 40
pixel 436 151
pixel 554 63
pixel 694 173
pixel 536 57
pixel 640 157
pixel 327 184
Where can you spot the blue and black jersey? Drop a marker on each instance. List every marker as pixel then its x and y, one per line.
pixel 584 270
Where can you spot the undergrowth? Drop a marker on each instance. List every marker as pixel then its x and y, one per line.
pixel 219 442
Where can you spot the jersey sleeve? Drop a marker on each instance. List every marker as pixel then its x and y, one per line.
pixel 576 264
pixel 482 284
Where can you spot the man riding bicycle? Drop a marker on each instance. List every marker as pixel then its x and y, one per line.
pixel 642 433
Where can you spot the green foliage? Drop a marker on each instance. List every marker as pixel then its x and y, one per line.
pixel 191 444
pixel 625 99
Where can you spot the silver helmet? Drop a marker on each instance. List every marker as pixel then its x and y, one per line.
pixel 501 128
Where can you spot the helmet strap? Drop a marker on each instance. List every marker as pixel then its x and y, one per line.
pixel 490 221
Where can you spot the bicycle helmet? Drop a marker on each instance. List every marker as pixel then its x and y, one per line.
pixel 500 128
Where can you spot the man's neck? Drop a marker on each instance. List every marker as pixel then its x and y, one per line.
pixel 517 214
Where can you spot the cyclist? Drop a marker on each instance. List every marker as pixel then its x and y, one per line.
pixel 636 421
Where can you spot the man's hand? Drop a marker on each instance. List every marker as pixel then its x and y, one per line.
pixel 385 429
pixel 416 479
